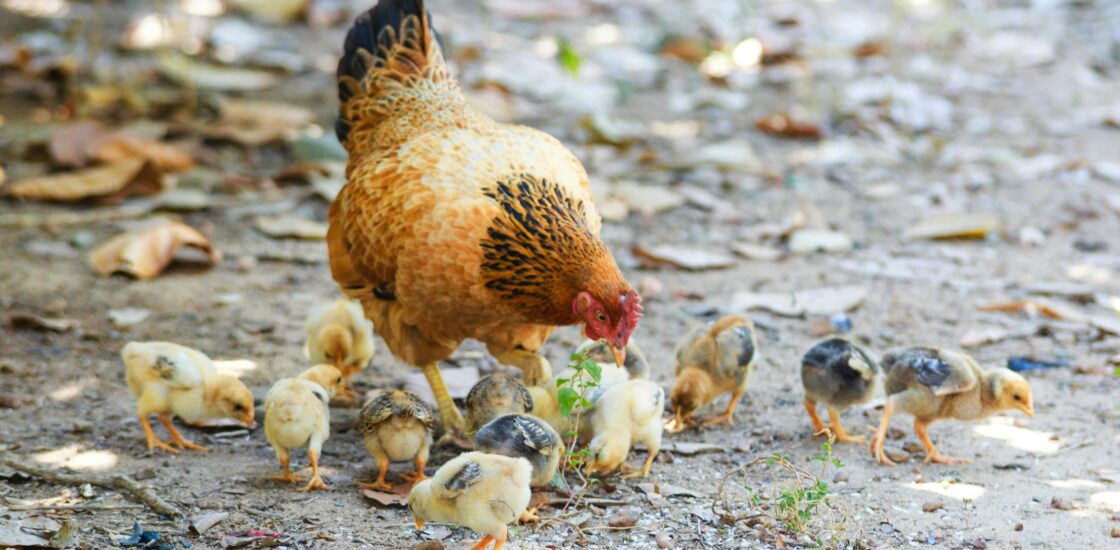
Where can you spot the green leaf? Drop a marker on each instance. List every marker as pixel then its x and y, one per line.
pixel 595 370
pixel 562 382
pixel 567 398
pixel 569 58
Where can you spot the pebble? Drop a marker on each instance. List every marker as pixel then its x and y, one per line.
pixel 979 544
pixel 429 545
pixel 886 528
pixel 663 541
pixel 1116 532
pixel 1018 526
pixel 145 473
pixel 626 517
pixel 912 447
pixel 840 477
pixel 932 506
pixel 897 455
pixel 1061 504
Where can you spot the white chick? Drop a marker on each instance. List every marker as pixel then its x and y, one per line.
pixel 481 491
pixel 172 380
pixel 297 415
pixel 396 425
pixel 625 414
pixel 339 334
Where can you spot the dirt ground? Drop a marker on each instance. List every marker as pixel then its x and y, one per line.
pixel 1002 108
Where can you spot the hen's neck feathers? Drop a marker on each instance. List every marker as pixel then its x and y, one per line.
pixel 540 253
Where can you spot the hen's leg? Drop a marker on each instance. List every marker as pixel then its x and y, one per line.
pixel 728 416
pixel 452 419
pixel 881 435
pixel 921 428
pixel 153 441
pixel 537 369
pixel 841 434
pixel 818 426
pixel 176 437
pixel 316 482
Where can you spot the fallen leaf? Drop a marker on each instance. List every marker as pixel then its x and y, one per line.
pixel 649 199
pixel 686 48
pixel 189 72
pixel 256 123
pixel 690 449
pixel 120 147
pixel 182 200
pixel 70 143
pixel 783 125
pixel 32 321
pixel 291 227
pixel 1032 308
pixel 624 518
pixel 111 183
pixel 1061 504
pixel 666 490
pixel 23 531
pixel 685 257
pixel 757 252
pixel 954 226
pixel 203 522
pixel 399 496
pixel 272 11
pixel 127 317
pixel 145 252
pixel 813 301
pixel 769 230
pixel 979 337
pixel 733 154
pixel 809 241
pixel 932 506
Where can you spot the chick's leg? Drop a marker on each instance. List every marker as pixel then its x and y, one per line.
pixel 818 426
pixel 316 482
pixel 285 459
pixel 383 468
pixel 452 419
pixel 153 441
pixel 176 437
pixel 881 435
pixel 728 416
pixel 418 475
pixel 645 467
pixel 921 427
pixel 839 432
pixel 537 370
pixel 480 545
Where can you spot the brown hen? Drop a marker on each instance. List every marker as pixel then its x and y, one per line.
pixel 452 226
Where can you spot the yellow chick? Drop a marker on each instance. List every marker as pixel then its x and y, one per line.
pixel 481 491
pixel 396 425
pixel 339 334
pixel 932 383
pixel 297 415
pixel 636 365
pixel 839 374
pixel 711 361
pixel 494 396
pixel 625 414
pixel 546 402
pixel 172 380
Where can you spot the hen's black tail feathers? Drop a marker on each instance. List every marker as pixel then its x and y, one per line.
pixel 379 39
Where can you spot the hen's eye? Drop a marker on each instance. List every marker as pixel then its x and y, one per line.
pixel 602 318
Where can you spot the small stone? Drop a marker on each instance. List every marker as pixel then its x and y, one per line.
pixel 840 323
pixel 245 264
pixel 626 517
pixel 979 544
pixel 86 490
pixel 840 477
pixel 649 286
pixel 1061 504
pixel 897 455
pixel 886 528
pixel 145 473
pixel 1115 532
pixel 895 433
pixel 1018 527
pixel 930 507
pixel 81 426
pixel 429 545
pixel 912 447
pixel 819 328
pixel 937 534
pixel 664 542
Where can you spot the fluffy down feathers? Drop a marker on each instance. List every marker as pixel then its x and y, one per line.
pixel 838 373
pixel 297 415
pixel 711 361
pixel 338 334
pixel 524 436
pixel 396 425
pixel 493 396
pixel 626 414
pixel 170 379
pixel 484 492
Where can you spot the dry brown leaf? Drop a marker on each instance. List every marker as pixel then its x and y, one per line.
pixel 685 257
pixel 291 227
pixel 809 301
pixel 120 147
pixel 273 11
pixel 954 226
pixel 112 183
pixel 70 143
pixel 399 496
pixel 760 252
pixel 145 252
pixel 783 125
pixel 190 72
pixel 256 123
pixel 1030 307
pixel 36 322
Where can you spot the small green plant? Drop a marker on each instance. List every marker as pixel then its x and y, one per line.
pixel 571 394
pixel 569 58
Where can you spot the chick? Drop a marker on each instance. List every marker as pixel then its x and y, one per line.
pixel 494 396
pixel 296 414
pixel 525 436
pixel 933 383
pixel 339 334
pixel 546 403
pixel 711 361
pixel 396 425
pixel 839 374
pixel 484 492
pixel 172 380
pixel 625 414
pixel 636 365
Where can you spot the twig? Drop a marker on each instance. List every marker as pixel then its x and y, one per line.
pixel 75 507
pixel 122 483
pixel 587 501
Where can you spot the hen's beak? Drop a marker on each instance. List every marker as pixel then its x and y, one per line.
pixel 619 356
pixel 419 523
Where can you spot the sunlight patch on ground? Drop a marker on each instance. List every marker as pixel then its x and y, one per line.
pixel 1108 501
pixel 235 367
pixel 949 488
pixel 1075 484
pixel 1032 441
pixel 75 458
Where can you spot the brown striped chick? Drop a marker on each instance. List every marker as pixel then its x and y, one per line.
pixel 635 364
pixel 711 361
pixel 172 380
pixel 485 492
pixel 525 436
pixel 297 415
pixel 625 414
pixel 494 396
pixel 933 383
pixel 339 334
pixel 396 425
pixel 839 374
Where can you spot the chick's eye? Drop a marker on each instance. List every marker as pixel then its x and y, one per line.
pixel 238 407
pixel 1015 397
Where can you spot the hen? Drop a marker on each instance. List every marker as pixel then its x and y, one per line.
pixel 452 226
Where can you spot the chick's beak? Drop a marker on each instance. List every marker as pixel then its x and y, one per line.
pixel 247 420
pixel 419 523
pixel 1028 409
